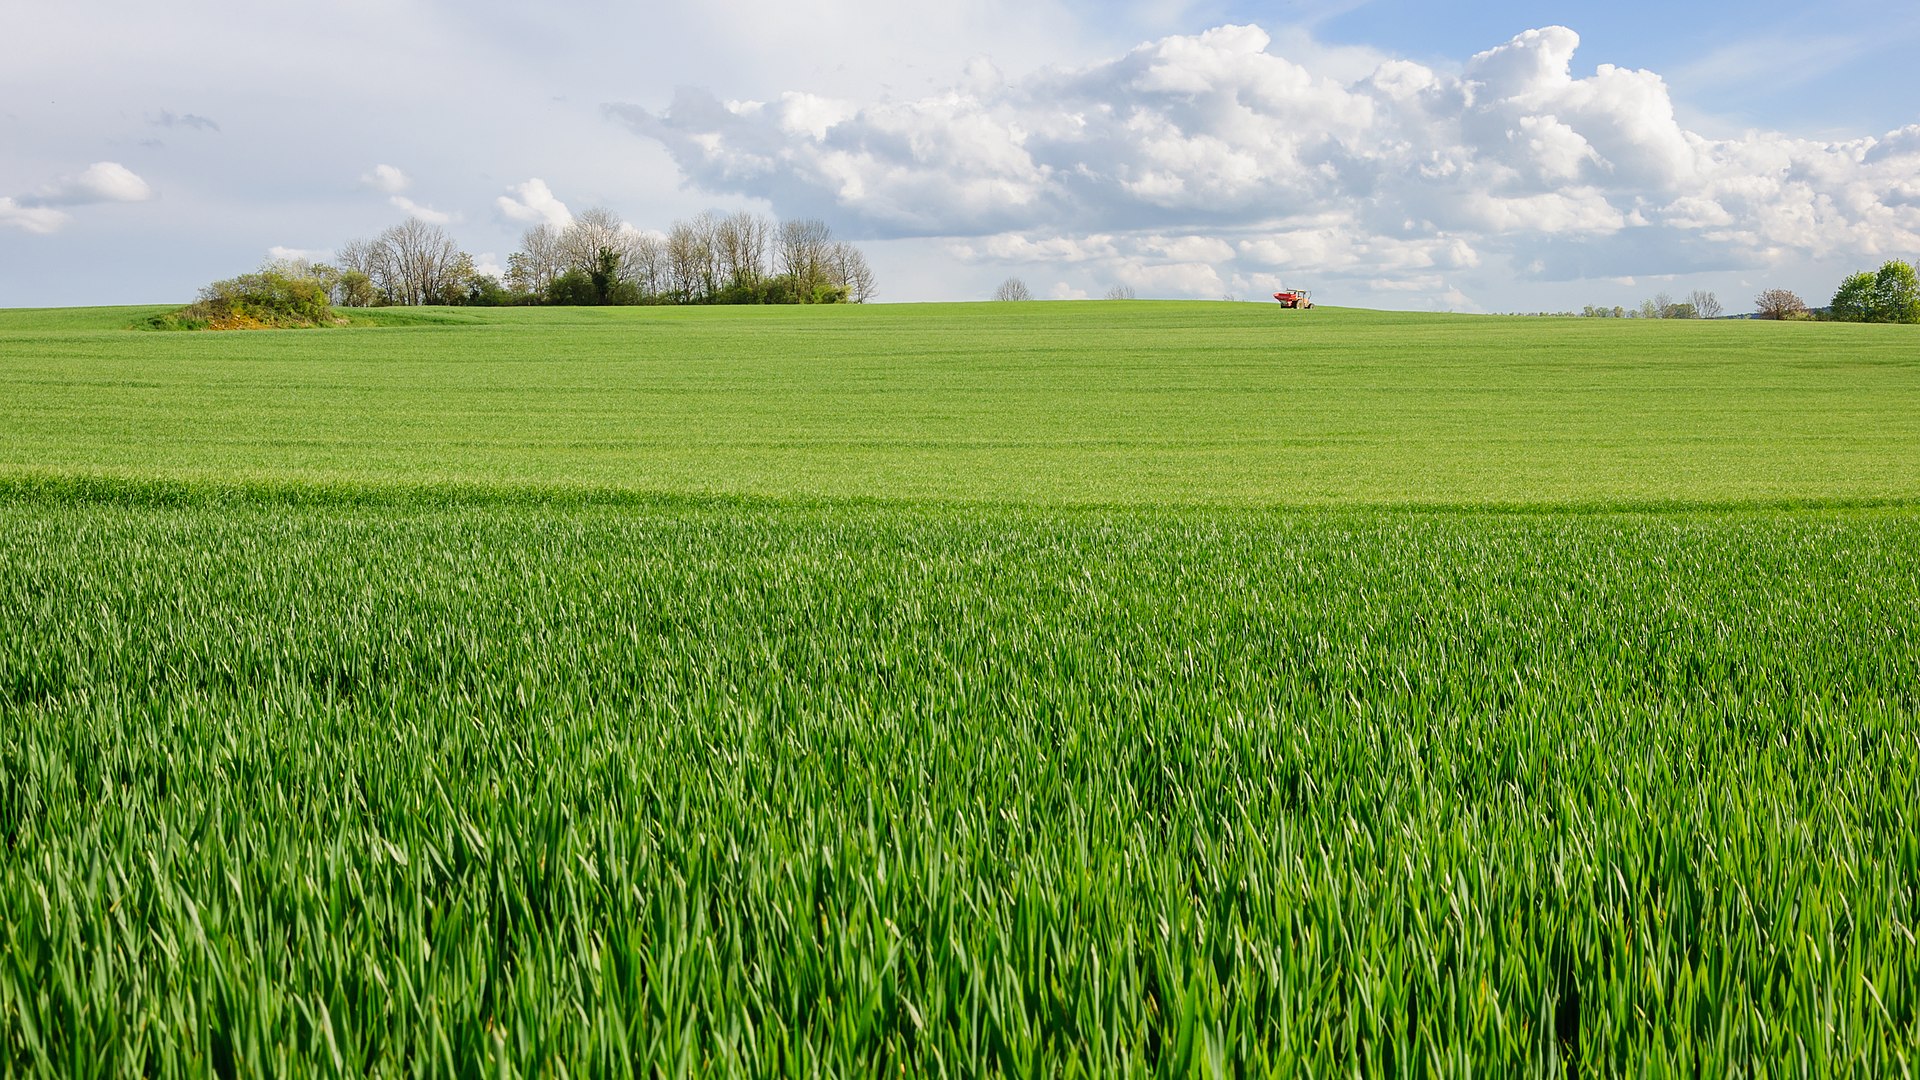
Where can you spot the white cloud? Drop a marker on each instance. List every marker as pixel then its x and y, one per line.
pixel 533 203
pixel 102 181
pixel 1192 162
pixel 387 178
pixel 34 219
pixel 425 213
pixel 281 253
pixel 489 265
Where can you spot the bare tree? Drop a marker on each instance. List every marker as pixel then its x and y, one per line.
pixel 740 243
pixel 593 231
pixel 646 264
pixel 1779 304
pixel 692 266
pixel 803 255
pixel 538 262
pixel 1013 289
pixel 848 269
pixel 1121 292
pixel 411 263
pixel 1705 304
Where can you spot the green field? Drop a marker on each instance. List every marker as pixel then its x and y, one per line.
pixel 1102 402
pixel 1044 689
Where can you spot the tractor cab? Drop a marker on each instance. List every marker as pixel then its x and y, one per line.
pixel 1294 298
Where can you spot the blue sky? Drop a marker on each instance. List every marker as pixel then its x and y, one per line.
pixel 1837 66
pixel 1388 153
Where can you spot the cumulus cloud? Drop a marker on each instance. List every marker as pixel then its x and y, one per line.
pixel 387 178
pixel 533 203
pixel 425 213
pixel 34 219
pixel 100 182
pixel 391 180
pixel 1198 163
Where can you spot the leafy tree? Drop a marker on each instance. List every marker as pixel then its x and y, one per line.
pixel 573 288
pixel 1853 301
pixel 485 290
pixel 1896 294
pixel 1013 289
pixel 1780 304
pixel 353 288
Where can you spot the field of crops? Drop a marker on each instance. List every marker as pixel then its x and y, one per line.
pixel 806 693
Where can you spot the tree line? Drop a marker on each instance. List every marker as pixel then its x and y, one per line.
pixel 1891 295
pixel 1699 304
pixel 599 259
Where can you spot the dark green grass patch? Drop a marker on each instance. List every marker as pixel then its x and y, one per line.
pixel 770 788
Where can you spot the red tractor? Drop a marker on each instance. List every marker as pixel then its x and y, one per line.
pixel 1294 298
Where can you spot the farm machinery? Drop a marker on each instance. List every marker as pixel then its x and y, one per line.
pixel 1294 298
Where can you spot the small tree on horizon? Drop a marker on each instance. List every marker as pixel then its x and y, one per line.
pixel 1121 292
pixel 1780 304
pixel 1013 289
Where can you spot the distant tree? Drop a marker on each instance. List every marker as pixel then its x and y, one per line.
pixel 1680 310
pixel 353 288
pixel 1013 289
pixel 485 290
pixel 645 266
pixel 1853 301
pixel 1121 292
pixel 413 262
pixel 1649 309
pixel 1780 304
pixel 693 268
pixel 539 260
pixel 591 231
pixel 804 247
pixel 848 269
pixel 741 245
pixel 1662 306
pixel 574 288
pixel 1705 304
pixel 1896 294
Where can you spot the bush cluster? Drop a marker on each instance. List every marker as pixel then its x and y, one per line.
pixel 268 299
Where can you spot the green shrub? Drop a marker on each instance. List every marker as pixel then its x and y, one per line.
pixel 263 300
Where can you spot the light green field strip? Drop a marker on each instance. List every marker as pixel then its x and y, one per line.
pixel 1103 402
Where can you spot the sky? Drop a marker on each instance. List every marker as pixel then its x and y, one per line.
pixel 1489 157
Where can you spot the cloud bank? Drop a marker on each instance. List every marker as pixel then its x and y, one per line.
pixel 44 212
pixel 1203 164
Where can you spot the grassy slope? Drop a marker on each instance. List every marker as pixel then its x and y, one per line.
pixel 1046 403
